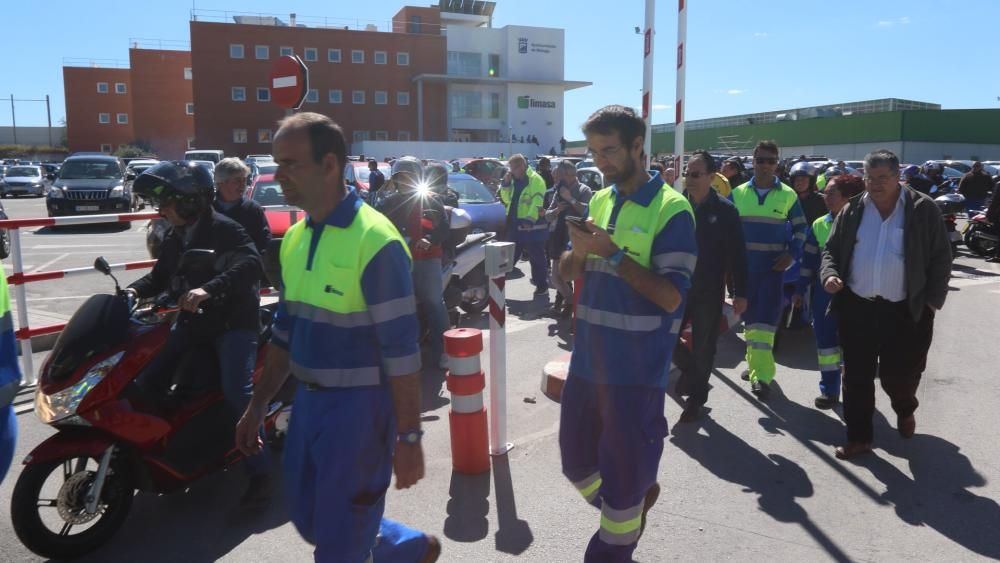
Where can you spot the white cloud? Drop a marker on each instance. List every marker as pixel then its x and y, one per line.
pixel 760 34
pixel 885 23
pixel 903 20
pixel 734 92
pixel 660 106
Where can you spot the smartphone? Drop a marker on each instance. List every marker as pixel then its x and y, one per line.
pixel 578 222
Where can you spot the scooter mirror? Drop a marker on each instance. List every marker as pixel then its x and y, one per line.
pixel 197 259
pixel 102 266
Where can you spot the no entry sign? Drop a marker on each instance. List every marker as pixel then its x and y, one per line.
pixel 289 82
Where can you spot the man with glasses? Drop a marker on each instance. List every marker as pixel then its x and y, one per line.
pixel 230 187
pixel 887 262
pixel 522 192
pixel 766 208
pixel 636 252
pixel 721 250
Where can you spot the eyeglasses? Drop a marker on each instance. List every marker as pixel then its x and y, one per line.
pixel 765 160
pixel 607 152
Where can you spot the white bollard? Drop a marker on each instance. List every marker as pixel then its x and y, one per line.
pixel 499 261
pixel 21 298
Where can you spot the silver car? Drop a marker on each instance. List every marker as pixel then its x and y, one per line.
pixel 24 180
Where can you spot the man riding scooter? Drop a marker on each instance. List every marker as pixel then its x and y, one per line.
pixel 182 192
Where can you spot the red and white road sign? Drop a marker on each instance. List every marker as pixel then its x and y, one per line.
pixel 289 82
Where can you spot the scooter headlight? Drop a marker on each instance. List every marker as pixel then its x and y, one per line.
pixel 62 405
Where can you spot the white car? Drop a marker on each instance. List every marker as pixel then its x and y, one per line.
pixel 24 180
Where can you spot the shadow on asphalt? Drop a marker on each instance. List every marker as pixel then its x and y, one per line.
pixel 202 523
pixel 468 508
pixel 937 495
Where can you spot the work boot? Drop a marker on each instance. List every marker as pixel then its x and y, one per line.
pixel 760 389
pixel 745 376
pixel 691 413
pixel 433 550
pixel 258 490
pixel 825 402
pixel 906 426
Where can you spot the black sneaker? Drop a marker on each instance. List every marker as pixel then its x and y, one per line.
pixel 760 389
pixel 825 402
pixel 745 376
pixel 691 413
pixel 258 490
pixel 542 291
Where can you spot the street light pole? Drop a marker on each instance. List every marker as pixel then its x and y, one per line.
pixel 13 120
pixel 647 79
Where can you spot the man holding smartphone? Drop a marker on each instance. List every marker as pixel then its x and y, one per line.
pixel 570 200
pixel 523 194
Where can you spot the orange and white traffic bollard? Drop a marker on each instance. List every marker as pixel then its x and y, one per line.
pixel 470 453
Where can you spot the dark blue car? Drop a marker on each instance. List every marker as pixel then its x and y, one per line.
pixel 487 214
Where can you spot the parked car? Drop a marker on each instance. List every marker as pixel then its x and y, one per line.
pixel 591 177
pixel 267 192
pixel 356 174
pixel 489 171
pixel 487 214
pixel 213 155
pixel 24 180
pixel 4 237
pixel 89 184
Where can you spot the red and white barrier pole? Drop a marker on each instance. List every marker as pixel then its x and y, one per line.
pixel 499 261
pixel 470 453
pixel 647 78
pixel 681 69
pixel 21 298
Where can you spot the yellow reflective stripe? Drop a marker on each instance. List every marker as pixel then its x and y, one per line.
pixel 590 490
pixel 621 527
pixel 763 220
pixel 766 246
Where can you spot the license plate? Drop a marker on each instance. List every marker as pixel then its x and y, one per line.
pixel 88 207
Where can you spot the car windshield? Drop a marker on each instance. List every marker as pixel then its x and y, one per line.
pixel 960 166
pixel 90 170
pixel 364 172
pixel 140 168
pixel 267 168
pixel 268 193
pixel 23 171
pixel 471 191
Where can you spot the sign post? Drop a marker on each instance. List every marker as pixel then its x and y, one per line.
pixel 289 82
pixel 499 261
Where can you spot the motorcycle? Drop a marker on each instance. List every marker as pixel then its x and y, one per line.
pixel 980 236
pixel 77 486
pixel 951 204
pixel 463 275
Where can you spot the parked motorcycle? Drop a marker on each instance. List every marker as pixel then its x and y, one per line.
pixel 980 236
pixel 464 270
pixel 77 486
pixel 951 204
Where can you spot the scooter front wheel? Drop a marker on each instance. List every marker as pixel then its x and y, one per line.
pixel 48 507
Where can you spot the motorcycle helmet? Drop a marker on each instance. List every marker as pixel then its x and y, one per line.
pixel 436 175
pixel 933 167
pixel 834 171
pixel 911 171
pixel 189 185
pixel 408 170
pixel 803 169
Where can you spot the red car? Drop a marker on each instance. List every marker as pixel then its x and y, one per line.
pixel 267 192
pixel 356 174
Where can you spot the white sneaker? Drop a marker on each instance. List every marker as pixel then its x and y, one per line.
pixel 443 363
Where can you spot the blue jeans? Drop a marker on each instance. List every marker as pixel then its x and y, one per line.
pixel 539 263
pixel 8 438
pixel 237 353
pixel 430 295
pixel 972 205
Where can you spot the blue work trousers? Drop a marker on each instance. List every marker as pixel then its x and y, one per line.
pixel 8 438
pixel 427 287
pixel 764 306
pixel 337 469
pixel 611 440
pixel 827 342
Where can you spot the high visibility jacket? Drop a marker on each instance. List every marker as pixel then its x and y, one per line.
pixel 347 314
pixel 532 197
pixel 816 239
pixel 622 337
pixel 10 372
pixel 765 223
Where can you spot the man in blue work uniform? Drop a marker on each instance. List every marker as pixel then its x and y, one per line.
pixel 636 252
pixel 523 193
pixel 766 207
pixel 10 380
pixel 720 251
pixel 346 329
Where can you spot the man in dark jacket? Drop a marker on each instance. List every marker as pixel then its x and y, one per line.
pixel 721 250
pixel 975 185
pixel 888 261
pixel 569 198
pixel 227 287
pixel 230 184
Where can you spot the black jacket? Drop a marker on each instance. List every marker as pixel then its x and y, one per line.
pixel 399 206
pixel 926 250
pixel 721 247
pixel 233 285
pixel 813 207
pixel 975 186
pixel 250 215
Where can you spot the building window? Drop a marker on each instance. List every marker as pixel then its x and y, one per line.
pixel 336 96
pixel 263 135
pixel 235 51
pixel 360 136
pixel 381 97
pixel 465 64
pixel 189 108
pixel 286 51
pixel 120 88
pixel 190 143
pixel 381 135
pixel 403 59
pixel 262 52
pixel 239 135
pixel 312 96
pixel 494 105
pixel 466 104
pixel 187 73
pixel 414 24
pixel 381 58
pixel 104 118
pixel 311 54
pixel 102 87
pixel 263 95
pixel 239 94
pixel 357 56
pixel 494 67
pixel 402 98
pixel 358 97
pixel 105 148
pixel 403 136
pixel 122 118
pixel 333 55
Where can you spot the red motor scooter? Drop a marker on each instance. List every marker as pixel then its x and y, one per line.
pixel 76 488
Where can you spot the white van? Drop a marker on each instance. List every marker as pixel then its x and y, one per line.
pixel 205 154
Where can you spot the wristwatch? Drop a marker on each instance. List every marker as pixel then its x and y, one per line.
pixel 616 259
pixel 412 437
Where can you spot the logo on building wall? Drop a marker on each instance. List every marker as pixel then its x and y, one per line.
pixel 525 102
pixel 522 45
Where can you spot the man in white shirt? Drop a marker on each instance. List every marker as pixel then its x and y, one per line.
pixel 890 246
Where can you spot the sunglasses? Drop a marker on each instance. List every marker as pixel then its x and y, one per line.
pixel 765 160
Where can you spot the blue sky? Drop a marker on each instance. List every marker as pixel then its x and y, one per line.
pixel 742 57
